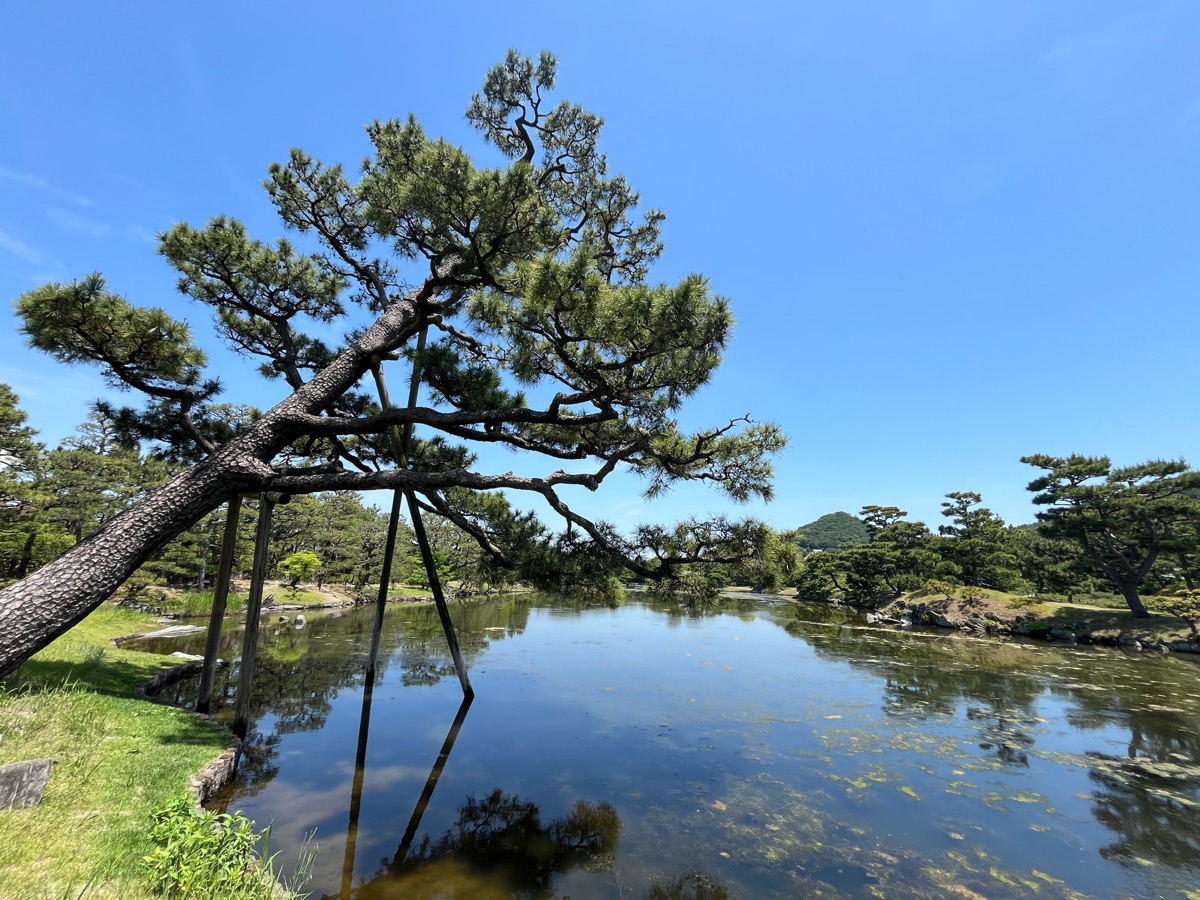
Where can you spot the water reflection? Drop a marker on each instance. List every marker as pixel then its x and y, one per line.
pixel 356 789
pixel 301 672
pixel 690 886
pixel 1004 735
pixel 356 785
pixel 1148 797
pixel 821 755
pixel 499 846
pixel 431 782
pixel 1152 813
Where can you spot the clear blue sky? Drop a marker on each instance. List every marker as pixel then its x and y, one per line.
pixel 954 233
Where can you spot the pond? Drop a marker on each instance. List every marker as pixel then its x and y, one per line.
pixel 753 750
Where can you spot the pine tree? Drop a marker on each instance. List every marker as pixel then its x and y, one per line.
pixel 520 292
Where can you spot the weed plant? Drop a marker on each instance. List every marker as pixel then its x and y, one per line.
pixel 210 856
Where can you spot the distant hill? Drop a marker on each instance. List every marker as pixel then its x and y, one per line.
pixel 831 531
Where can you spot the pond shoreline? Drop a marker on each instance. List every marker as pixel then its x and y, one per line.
pixel 785 746
pixel 981 614
pixel 1069 625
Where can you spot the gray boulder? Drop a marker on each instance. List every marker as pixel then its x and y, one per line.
pixel 22 784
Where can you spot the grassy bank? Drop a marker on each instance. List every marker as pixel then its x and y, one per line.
pixel 1100 620
pixel 199 603
pixel 117 756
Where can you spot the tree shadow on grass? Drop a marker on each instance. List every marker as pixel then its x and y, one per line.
pixel 98 671
pixel 1157 625
pixel 101 673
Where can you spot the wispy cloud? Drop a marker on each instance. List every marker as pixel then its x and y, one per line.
pixel 143 234
pixel 1071 49
pixel 21 250
pixel 37 183
pixel 76 222
pixel 57 397
pixel 35 267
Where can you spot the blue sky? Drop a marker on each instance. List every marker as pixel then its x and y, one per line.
pixel 953 233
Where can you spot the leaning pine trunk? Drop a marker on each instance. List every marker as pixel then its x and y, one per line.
pixel 39 608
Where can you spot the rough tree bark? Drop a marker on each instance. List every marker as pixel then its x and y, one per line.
pixel 57 596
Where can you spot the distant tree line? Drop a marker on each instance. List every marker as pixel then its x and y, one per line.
pixel 51 499
pixel 1131 530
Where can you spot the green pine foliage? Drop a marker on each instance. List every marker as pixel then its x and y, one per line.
pixel 1124 519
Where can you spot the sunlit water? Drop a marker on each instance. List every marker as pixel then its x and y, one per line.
pixel 753 751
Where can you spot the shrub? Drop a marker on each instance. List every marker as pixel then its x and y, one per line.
pixel 1184 605
pixel 934 586
pixel 1038 628
pixel 204 855
pixel 299 567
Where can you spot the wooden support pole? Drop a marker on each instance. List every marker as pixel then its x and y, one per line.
pixel 400 446
pixel 258 574
pixel 435 773
pixel 439 599
pixel 385 583
pixel 220 597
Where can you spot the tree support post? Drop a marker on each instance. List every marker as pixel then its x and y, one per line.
pixel 241 717
pixel 220 598
pixel 431 782
pixel 439 598
pixel 385 581
pixel 400 447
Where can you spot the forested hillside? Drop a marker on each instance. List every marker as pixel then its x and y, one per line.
pixel 831 531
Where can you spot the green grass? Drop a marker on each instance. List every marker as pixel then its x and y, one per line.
pixel 1160 626
pixel 409 590
pixel 285 596
pixel 193 603
pixel 199 603
pixel 117 756
pixel 1100 613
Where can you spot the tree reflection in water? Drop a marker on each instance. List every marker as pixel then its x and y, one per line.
pixel 1149 798
pixel 1155 819
pixel 689 886
pixel 1015 712
pixel 499 846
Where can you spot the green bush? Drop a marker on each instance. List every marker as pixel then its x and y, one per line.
pixel 934 586
pixel 1184 605
pixel 204 855
pixel 299 567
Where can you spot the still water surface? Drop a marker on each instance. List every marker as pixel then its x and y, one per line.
pixel 755 750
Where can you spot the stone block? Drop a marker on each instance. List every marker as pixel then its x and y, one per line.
pixel 23 783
